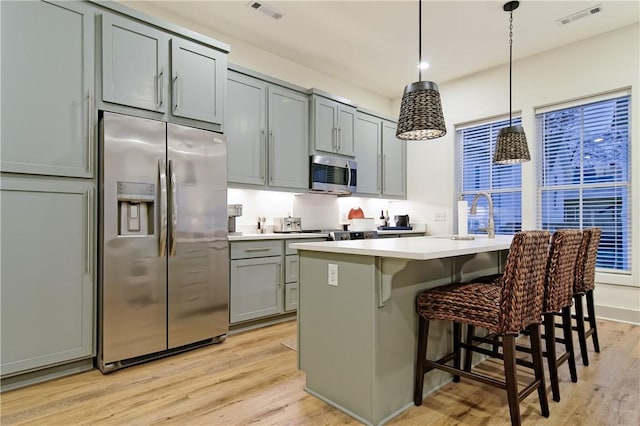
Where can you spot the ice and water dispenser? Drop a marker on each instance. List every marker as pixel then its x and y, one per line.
pixel 136 202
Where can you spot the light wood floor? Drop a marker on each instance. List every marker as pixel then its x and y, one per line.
pixel 252 379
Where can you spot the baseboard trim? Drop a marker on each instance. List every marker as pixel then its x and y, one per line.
pixel 39 376
pixel 613 313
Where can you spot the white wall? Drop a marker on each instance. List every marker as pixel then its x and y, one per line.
pixel 272 65
pixel 590 67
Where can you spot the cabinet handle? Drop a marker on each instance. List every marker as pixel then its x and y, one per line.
pixel 257 249
pixel 379 175
pixel 161 88
pixel 177 91
pixel 89 228
pixel 263 142
pixel 279 275
pixel 339 139
pixel 163 207
pixel 174 208
pixel 271 152
pixel 90 131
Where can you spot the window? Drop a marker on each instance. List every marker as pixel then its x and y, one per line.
pixel 584 174
pixel 477 173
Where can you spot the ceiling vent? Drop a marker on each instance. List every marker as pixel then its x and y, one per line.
pixel 266 9
pixel 579 15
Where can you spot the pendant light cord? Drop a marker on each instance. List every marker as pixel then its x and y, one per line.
pixel 419 40
pixel 510 61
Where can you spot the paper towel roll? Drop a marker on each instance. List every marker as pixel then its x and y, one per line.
pixel 463 213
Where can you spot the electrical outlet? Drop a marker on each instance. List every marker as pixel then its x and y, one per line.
pixel 440 216
pixel 333 275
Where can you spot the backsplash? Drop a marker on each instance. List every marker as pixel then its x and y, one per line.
pixel 324 211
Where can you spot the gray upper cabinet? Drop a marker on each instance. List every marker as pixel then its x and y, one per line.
pixel 134 64
pixel 245 128
pixel 381 158
pixel 47 272
pixel 333 126
pixel 288 138
pixel 368 150
pixel 394 162
pixel 137 71
pixel 47 88
pixel 198 75
pixel 267 128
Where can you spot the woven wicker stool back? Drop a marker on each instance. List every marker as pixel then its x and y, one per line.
pixel 563 254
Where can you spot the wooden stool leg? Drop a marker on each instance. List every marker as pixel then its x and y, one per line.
pixel 536 353
pixel 457 335
pixel 552 360
pixel 468 353
pixel 592 320
pixel 509 349
pixel 582 339
pixel 423 336
pixel 568 342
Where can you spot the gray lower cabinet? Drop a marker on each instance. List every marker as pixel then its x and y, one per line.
pixel 267 129
pixel 47 88
pixel 381 158
pixel 48 269
pixel 291 268
pixel 333 126
pixel 137 71
pixel 256 280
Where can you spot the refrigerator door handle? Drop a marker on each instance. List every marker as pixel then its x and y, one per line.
pixel 163 206
pixel 174 208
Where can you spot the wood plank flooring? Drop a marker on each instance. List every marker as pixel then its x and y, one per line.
pixel 252 379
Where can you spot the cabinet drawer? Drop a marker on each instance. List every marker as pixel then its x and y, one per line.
pixel 291 296
pixel 291 265
pixel 289 250
pixel 247 249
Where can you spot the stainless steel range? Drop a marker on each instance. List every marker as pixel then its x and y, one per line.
pixel 352 235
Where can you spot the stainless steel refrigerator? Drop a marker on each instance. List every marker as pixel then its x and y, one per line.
pixel 164 271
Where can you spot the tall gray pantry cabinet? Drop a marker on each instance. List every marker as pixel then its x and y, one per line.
pixel 61 62
pixel 267 128
pixel 47 188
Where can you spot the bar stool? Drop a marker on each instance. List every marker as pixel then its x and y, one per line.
pixel 558 292
pixel 584 284
pixel 504 309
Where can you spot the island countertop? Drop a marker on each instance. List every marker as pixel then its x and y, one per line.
pixel 413 248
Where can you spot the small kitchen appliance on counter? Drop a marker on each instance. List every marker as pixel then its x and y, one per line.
pixel 233 211
pixel 287 224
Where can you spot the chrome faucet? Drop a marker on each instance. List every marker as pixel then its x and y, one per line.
pixel 491 231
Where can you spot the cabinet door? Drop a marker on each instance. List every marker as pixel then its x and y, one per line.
pixel 346 129
pixel 134 64
pixel 325 124
pixel 198 75
pixel 47 82
pixel 48 264
pixel 368 145
pixel 288 149
pixel 394 162
pixel 290 297
pixel 256 288
pixel 245 128
pixel 291 266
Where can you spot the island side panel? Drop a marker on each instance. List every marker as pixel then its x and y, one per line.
pixel 335 329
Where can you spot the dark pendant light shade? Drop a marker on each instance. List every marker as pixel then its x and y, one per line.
pixel 511 145
pixel 420 110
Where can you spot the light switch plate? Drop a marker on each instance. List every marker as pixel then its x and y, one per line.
pixel 440 216
pixel 333 275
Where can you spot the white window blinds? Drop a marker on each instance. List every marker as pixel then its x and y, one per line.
pixel 477 173
pixel 584 174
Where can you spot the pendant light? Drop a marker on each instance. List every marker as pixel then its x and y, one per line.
pixel 511 145
pixel 421 110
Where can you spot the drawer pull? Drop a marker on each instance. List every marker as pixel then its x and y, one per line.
pixel 257 249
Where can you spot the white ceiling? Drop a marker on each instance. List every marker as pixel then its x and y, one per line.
pixel 374 44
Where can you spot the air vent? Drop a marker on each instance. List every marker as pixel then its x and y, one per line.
pixel 579 15
pixel 266 9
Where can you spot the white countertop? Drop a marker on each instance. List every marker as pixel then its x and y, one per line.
pixel 416 248
pixel 275 236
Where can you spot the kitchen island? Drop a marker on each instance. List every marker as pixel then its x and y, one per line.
pixel 357 325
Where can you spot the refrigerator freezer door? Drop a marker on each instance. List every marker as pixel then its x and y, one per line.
pixel 198 287
pixel 133 279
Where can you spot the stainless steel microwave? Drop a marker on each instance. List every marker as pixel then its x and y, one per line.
pixel 332 174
